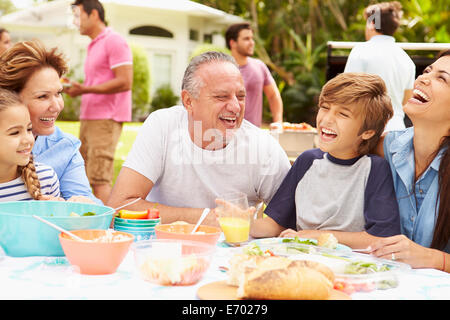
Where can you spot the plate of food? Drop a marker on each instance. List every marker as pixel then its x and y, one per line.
pixel 292 246
pixel 364 273
pixel 354 272
pixel 273 278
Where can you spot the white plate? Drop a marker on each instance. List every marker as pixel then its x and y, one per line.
pixel 276 241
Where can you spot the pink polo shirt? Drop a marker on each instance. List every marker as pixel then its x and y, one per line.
pixel 256 76
pixel 106 52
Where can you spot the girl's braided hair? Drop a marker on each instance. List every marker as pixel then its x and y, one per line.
pixel 31 179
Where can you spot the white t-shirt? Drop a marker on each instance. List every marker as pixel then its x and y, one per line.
pixel 383 57
pixel 185 175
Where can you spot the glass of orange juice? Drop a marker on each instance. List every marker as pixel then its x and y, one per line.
pixel 234 218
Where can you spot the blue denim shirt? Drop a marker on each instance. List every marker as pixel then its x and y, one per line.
pixel 417 213
pixel 61 151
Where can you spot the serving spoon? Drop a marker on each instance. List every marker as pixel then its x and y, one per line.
pixel 70 233
pixel 59 228
pixel 125 205
pixel 202 217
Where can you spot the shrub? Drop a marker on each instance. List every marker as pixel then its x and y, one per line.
pixel 202 48
pixel 141 83
pixel 71 111
pixel 164 98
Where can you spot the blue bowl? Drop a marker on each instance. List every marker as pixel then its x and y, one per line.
pixel 21 235
pixel 128 229
pixel 137 225
pixel 146 222
pixel 139 234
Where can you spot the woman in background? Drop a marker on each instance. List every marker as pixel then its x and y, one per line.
pixel 5 40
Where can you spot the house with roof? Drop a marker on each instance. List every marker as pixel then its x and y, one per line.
pixel 168 30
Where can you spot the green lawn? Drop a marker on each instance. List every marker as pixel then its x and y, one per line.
pixel 129 133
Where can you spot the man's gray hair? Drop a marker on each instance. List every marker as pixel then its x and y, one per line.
pixel 191 82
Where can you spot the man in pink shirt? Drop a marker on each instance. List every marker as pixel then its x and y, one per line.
pixel 257 77
pixel 106 94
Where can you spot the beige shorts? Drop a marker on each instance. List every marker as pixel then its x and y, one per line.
pixel 99 139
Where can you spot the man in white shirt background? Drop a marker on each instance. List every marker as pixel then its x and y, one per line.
pixel 380 55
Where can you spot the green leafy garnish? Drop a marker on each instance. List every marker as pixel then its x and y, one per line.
pixel 89 214
pixel 253 250
pixel 290 249
pixel 297 240
pixel 362 267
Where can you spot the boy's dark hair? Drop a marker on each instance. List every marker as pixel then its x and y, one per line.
pixel 89 5
pixel 389 15
pixel 369 94
pixel 232 32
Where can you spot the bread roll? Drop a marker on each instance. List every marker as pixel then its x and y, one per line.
pixel 326 271
pixel 327 240
pixel 239 262
pixel 286 280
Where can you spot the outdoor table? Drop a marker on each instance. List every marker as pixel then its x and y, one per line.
pixel 40 278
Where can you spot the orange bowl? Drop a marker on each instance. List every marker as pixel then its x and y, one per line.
pixel 101 254
pixel 207 234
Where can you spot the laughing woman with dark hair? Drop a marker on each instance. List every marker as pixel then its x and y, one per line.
pixel 420 162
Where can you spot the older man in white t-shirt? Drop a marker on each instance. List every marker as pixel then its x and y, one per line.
pixel 380 55
pixel 185 157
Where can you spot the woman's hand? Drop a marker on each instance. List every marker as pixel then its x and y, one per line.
pixel 81 199
pixel 400 248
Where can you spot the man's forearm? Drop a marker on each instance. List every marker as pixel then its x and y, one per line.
pixel 276 108
pixel 108 87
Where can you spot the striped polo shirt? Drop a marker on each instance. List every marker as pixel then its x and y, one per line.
pixel 16 190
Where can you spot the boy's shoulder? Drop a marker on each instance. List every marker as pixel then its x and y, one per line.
pixel 306 159
pixel 378 161
pixel 310 155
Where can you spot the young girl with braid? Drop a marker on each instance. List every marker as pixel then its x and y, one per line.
pixel 20 177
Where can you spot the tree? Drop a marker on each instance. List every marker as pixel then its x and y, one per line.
pixel 6 6
pixel 291 37
pixel 141 82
